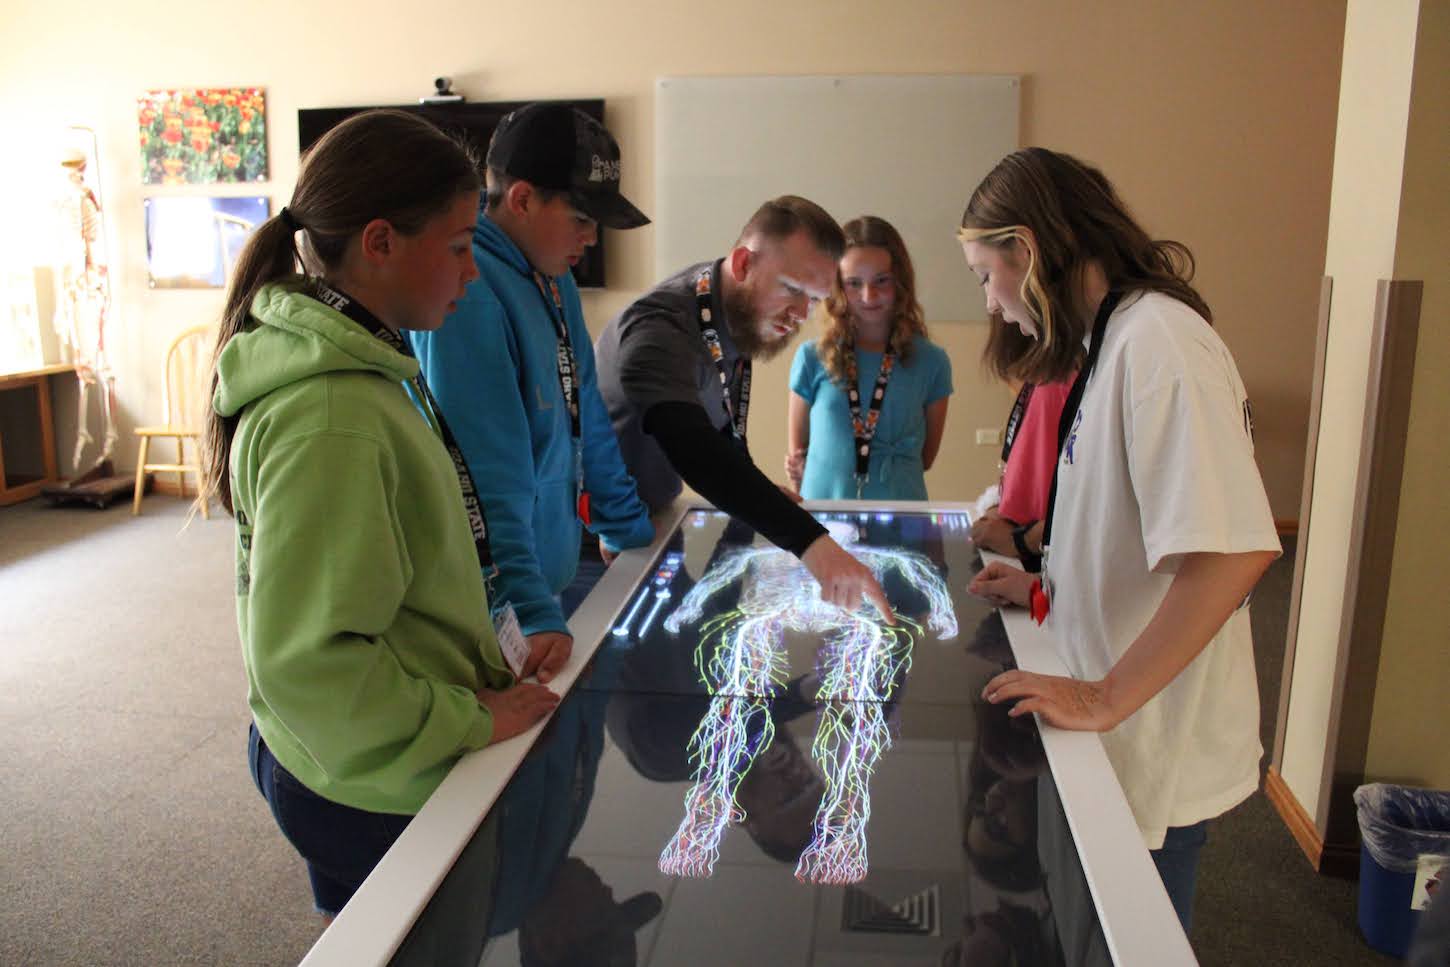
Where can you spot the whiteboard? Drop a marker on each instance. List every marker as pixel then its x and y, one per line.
pixel 907 148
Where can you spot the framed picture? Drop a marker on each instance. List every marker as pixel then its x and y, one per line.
pixel 193 242
pixel 203 136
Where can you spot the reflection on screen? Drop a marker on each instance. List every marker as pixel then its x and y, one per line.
pixel 740 657
pixel 967 862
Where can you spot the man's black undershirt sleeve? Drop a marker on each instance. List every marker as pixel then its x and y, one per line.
pixel 715 469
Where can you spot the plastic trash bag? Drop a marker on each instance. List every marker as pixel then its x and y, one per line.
pixel 1399 823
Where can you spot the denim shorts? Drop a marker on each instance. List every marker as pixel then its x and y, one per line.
pixel 340 844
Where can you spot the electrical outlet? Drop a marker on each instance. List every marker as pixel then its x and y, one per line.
pixel 989 437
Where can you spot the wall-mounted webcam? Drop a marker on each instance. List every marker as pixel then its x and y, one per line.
pixel 442 92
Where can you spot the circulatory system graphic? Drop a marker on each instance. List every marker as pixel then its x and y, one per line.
pixel 741 659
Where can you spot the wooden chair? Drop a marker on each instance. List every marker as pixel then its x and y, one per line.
pixel 183 394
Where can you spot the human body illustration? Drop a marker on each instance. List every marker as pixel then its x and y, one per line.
pixel 741 658
pixel 85 296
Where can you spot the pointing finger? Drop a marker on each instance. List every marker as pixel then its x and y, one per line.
pixel 877 597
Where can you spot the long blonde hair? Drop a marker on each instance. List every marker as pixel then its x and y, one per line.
pixel 838 334
pixel 1065 213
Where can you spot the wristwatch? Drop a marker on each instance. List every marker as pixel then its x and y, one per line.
pixel 1031 560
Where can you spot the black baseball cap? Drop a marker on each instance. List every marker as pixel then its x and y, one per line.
pixel 560 148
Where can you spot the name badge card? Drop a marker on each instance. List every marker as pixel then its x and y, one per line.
pixel 511 640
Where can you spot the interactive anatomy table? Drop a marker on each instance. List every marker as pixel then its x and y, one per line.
pixel 743 774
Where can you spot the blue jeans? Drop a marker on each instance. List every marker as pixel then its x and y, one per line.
pixel 1177 862
pixel 340 844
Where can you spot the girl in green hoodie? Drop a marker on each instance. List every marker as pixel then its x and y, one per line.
pixel 372 665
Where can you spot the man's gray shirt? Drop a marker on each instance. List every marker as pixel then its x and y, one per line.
pixel 652 353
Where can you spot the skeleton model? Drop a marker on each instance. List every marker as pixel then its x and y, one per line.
pixel 741 658
pixel 84 291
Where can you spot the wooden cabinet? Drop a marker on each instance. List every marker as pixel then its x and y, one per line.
pixel 27 433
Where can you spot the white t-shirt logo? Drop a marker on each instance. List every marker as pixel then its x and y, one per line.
pixel 1067 451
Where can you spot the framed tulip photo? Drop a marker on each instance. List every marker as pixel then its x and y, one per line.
pixel 203 136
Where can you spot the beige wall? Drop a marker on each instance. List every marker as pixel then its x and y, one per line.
pixel 1215 120
pixel 1364 207
pixel 1414 676
pixel 1389 219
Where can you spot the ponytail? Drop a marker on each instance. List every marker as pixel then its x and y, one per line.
pixel 270 255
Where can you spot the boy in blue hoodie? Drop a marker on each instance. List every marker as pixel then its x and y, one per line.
pixel 513 371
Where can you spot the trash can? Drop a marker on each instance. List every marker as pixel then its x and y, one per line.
pixel 1405 838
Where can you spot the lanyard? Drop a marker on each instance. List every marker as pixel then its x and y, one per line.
pixel 865 430
pixel 1074 403
pixel 1014 421
pixel 734 419
pixel 567 366
pixel 360 314
pixel 566 363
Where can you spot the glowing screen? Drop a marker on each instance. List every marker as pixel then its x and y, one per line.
pixel 735 619
pixel 708 790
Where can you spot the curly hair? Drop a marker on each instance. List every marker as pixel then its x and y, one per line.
pixel 838 332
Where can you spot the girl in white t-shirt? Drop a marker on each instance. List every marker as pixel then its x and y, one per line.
pixel 1159 527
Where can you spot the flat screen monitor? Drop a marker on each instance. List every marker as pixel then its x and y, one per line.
pixel 474 123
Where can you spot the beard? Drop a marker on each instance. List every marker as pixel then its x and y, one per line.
pixel 744 326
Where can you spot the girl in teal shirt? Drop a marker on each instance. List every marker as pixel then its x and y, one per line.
pixel 868 401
